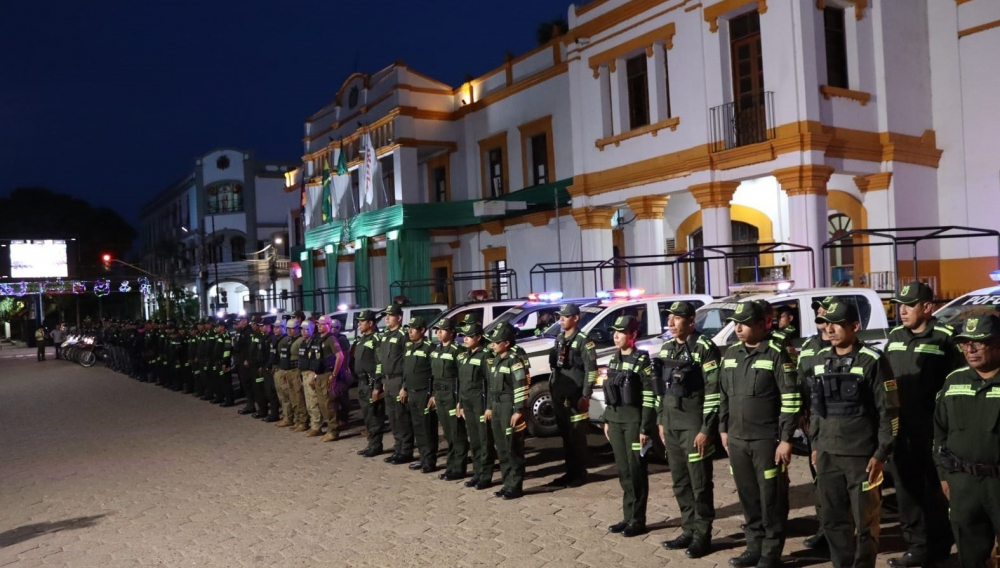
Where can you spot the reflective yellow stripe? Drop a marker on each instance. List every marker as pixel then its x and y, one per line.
pixel 636 446
pixel 697 458
pixel 766 365
pixel 860 371
pixel 929 349
pixel 260 379
pixel 451 412
pixel 578 417
pixel 729 363
pixel 896 346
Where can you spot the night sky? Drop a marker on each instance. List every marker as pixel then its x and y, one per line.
pixel 112 100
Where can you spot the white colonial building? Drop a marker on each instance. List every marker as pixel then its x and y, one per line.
pixel 655 127
pixel 221 232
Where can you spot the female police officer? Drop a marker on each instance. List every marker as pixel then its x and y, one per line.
pixel 629 422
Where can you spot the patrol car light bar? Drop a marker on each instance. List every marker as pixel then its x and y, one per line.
pixel 341 307
pixel 621 293
pixel 995 276
pixel 545 296
pixel 762 287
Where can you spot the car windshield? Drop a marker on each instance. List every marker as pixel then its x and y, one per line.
pixel 711 319
pixel 510 316
pixel 969 306
pixel 587 314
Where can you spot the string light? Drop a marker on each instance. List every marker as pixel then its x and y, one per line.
pixel 99 287
pixel 79 288
pixel 102 288
pixel 144 286
pixel 124 287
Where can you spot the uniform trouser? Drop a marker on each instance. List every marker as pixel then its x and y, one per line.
pixel 41 351
pixel 260 377
pixel 480 437
pixel 399 417
pixel 572 426
pixel 198 378
pixel 454 431
pixel 284 393
pixel 693 486
pixel 509 442
pixel 975 516
pixel 815 491
pixel 372 412
pixel 271 391
pixel 226 385
pixel 425 425
pixel 58 350
pixel 851 513
pixel 296 398
pixel 246 375
pixel 177 380
pixel 631 466
pixel 326 404
pixel 762 487
pixel 923 509
pixel 311 398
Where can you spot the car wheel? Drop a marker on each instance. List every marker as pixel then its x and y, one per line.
pixel 542 417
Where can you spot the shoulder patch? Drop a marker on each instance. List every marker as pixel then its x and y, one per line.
pixel 710 366
pixel 890 385
pixel 517 366
pixel 590 345
pixel 788 368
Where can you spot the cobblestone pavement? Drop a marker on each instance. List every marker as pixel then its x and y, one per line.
pixel 100 470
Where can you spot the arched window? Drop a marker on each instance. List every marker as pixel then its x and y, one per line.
pixel 841 258
pixel 239 248
pixel 225 198
pixel 744 238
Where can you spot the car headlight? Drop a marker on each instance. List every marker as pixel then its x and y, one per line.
pixel 602 375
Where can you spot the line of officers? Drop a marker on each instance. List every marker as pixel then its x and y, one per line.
pixel 928 407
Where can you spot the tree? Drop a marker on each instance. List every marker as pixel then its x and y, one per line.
pixel 549 30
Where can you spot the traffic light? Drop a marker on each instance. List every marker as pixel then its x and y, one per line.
pixel 225 299
pixel 106 259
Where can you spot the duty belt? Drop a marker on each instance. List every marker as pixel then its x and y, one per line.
pixel 955 464
pixel 443 386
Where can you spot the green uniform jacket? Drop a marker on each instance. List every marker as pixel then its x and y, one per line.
pixel 645 416
pixel 417 365
pixel 241 345
pixel 809 357
pixel 920 363
pixel 507 377
pixel 966 418
pixel 472 373
pixel 873 433
pixel 223 351
pixel 390 348
pixel 581 362
pixel 444 365
pixel 700 410
pixel 364 359
pixel 300 352
pixel 761 397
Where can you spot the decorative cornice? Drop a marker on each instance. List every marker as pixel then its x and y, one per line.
pixel 712 13
pixel 664 34
pixel 648 207
pixel 873 182
pixel 593 217
pixel 714 193
pixel 807 179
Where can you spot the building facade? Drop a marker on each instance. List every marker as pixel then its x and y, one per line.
pixel 672 126
pixel 221 232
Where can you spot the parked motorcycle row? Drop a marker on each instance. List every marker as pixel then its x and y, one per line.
pixel 84 349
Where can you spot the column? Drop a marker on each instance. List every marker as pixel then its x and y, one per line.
pixel 648 240
pixel 404 159
pixel 308 281
pixel 596 243
pixel 716 229
pixel 805 186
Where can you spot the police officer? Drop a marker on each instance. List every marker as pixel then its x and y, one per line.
pixel 261 366
pixel 809 358
pixel 364 361
pixel 327 360
pixel 444 398
pixel 687 389
pixel 759 405
pixel 283 364
pixel 507 407
pixel 390 382
pixel 472 392
pixel 272 334
pixel 853 424
pixel 223 358
pixel 297 385
pixel 416 394
pixel 241 360
pixel 191 364
pixel 921 353
pixel 630 422
pixel 292 377
pixel 573 361
pixel 967 440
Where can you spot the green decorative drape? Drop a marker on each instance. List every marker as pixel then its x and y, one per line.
pixel 332 281
pixel 409 259
pixel 362 269
pixel 308 281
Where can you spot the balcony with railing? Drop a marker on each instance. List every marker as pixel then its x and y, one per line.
pixel 749 120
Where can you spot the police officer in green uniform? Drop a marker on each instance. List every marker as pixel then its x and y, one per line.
pixel 629 423
pixel 191 364
pixel 363 364
pixel 206 350
pixel 967 441
pixel 390 382
pixel 261 367
pixel 686 384
pixel 853 424
pixel 223 355
pixel 921 353
pixel 416 394
pixel 507 407
pixel 759 404
pixel 241 360
pixel 472 392
pixel 809 358
pixel 573 361
pixel 444 398
pixel 272 337
pixel 785 323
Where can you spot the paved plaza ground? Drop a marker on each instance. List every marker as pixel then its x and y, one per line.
pixel 97 469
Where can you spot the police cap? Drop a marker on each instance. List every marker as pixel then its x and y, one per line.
pixel 502 332
pixel 746 312
pixel 393 310
pixel 681 309
pixel 367 315
pixel 979 328
pixel 839 312
pixel 914 293
pixel 626 324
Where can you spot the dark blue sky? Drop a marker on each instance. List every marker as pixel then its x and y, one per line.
pixel 112 100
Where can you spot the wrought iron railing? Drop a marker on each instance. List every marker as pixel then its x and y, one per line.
pixel 748 120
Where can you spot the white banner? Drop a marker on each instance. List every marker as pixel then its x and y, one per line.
pixel 369 172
